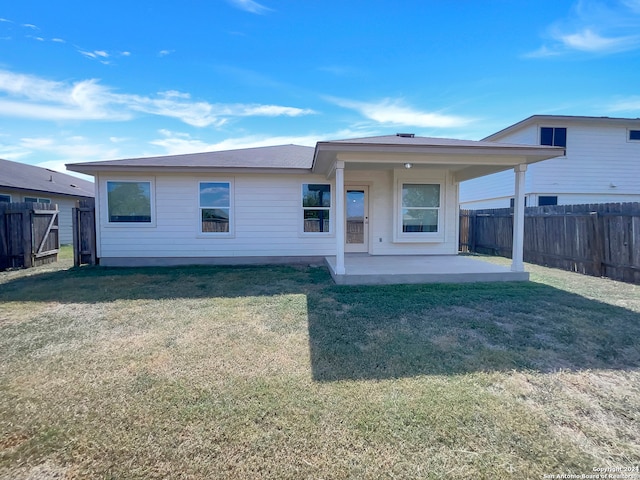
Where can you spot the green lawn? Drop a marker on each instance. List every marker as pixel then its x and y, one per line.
pixel 274 372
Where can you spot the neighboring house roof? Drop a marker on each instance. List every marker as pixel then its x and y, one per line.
pixel 277 157
pixel 38 179
pixel 536 119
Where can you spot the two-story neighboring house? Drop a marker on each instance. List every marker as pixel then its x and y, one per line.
pixel 601 164
pixel 20 182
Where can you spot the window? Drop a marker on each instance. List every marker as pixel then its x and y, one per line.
pixel 420 209
pixel 37 200
pixel 547 200
pixel 215 207
pixel 316 206
pixel 634 135
pixel 129 202
pixel 512 202
pixel 5 198
pixel 553 136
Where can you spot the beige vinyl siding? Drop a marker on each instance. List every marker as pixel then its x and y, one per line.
pixel 266 218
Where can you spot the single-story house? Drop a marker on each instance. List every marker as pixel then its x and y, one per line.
pixel 377 210
pixel 600 163
pixel 20 182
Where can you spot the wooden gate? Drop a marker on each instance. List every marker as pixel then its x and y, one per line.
pixel 84 233
pixel 28 234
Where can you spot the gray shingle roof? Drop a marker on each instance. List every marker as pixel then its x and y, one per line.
pixel 30 177
pixel 405 139
pixel 282 156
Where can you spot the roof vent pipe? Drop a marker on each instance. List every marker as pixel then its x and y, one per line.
pixel 406 135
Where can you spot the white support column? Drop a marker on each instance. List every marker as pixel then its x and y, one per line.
pixel 517 253
pixel 340 221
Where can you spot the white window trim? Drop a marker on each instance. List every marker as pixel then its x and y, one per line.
pixel 331 209
pixel 232 216
pixel 418 237
pixel 629 139
pixel 105 200
pixel 7 195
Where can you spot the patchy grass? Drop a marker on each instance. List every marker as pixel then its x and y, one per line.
pixel 274 372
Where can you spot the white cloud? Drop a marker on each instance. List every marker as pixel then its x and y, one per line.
pixel 69 148
pixel 60 150
pixel 631 104
pixel 31 26
pixel 594 27
pixel 102 55
pixel 176 143
pixel 27 96
pixel 395 112
pixel 270 111
pixel 250 6
pixel 164 53
pixel 589 41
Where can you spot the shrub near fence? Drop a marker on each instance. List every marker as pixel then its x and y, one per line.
pixel 594 239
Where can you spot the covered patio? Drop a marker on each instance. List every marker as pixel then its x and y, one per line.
pixel 410 227
pixel 365 269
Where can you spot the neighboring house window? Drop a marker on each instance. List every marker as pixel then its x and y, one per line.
pixel 129 202
pixel 316 206
pixel 36 200
pixel 547 200
pixel 512 202
pixel 5 198
pixel 420 208
pixel 634 134
pixel 553 136
pixel 215 207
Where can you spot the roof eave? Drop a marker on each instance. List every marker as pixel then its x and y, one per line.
pixel 531 153
pixel 93 169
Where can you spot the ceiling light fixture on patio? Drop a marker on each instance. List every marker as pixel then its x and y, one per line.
pixel 407 165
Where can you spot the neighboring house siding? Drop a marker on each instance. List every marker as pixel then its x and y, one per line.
pixel 267 218
pixel 65 228
pixel 601 165
pixel 65 206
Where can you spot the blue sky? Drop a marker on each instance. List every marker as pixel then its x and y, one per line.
pixel 84 81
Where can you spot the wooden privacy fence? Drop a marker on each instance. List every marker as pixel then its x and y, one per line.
pixel 594 239
pixel 84 233
pixel 28 234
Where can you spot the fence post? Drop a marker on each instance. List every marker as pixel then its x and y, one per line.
pixel 27 238
pixel 473 219
pixel 598 244
pixel 75 212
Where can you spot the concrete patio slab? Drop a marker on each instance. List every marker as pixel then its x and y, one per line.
pixel 364 269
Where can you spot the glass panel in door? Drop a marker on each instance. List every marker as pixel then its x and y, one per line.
pixel 355 216
pixel 357 221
